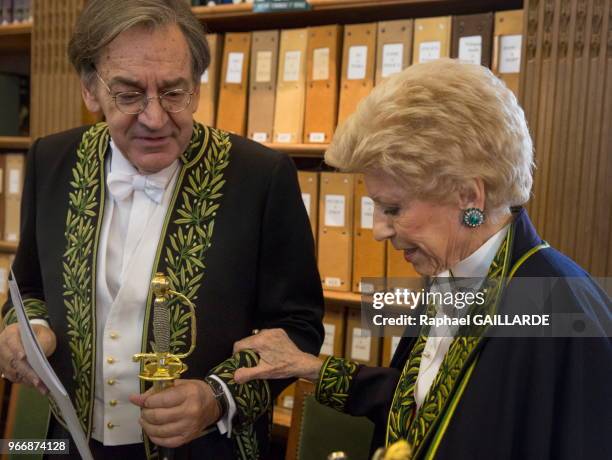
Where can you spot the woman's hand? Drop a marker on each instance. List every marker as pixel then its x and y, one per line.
pixel 279 358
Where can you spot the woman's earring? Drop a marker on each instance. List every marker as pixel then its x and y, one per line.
pixel 473 217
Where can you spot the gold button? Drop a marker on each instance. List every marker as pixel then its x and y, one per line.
pixel 114 335
pixel 111 381
pixel 110 360
pixel 113 402
pixel 110 425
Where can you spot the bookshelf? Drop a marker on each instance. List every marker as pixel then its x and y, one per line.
pixel 8 247
pixel 15 142
pixel 15 37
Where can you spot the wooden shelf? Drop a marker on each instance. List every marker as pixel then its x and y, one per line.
pixel 300 150
pixel 15 37
pixel 15 142
pixel 342 297
pixel 241 18
pixel 8 246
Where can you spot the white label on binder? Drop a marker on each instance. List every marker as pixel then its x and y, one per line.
pixel 260 137
pixel 263 67
pixel 393 59
pixel 328 342
pixel 204 78
pixel 429 51
pixel 14 181
pixel 11 237
pixel 358 59
pixel 366 288
pixel 292 66
pixel 332 282
pixel 470 49
pixel 510 53
pixel 394 343
pixel 362 344
pixel 316 137
pixel 283 138
pixel 334 210
pixel 4 281
pixel 306 200
pixel 288 402
pixel 234 68
pixel 367 212
pixel 320 64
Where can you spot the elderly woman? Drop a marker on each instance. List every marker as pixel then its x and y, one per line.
pixel 448 161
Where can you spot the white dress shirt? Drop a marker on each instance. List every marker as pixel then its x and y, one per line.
pixel 131 228
pixel 474 266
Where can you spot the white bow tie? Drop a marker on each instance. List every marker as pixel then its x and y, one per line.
pixel 122 185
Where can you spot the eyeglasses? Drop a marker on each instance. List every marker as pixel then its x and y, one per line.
pixel 135 102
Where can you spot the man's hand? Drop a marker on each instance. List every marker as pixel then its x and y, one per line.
pixel 279 358
pixel 13 362
pixel 177 415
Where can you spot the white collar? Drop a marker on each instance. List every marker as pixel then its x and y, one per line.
pixel 119 163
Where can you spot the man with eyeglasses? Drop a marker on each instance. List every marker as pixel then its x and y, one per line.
pixel 149 190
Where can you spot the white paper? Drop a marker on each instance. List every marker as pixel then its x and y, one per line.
pixel 3 281
pixel 510 53
pixel 367 212
pixel 292 66
pixel 429 51
pixel 394 343
pixel 358 59
pixel 283 138
pixel 11 237
pixel 204 78
pixel 288 402
pixel 14 181
pixel 320 65
pixel 263 67
pixel 470 49
pixel 260 137
pixel 306 200
pixel 362 344
pixel 42 368
pixel 366 288
pixel 393 59
pixel 316 137
pixel 332 282
pixel 234 68
pixel 334 210
pixel 328 342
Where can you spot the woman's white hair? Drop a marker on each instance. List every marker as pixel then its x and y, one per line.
pixel 435 126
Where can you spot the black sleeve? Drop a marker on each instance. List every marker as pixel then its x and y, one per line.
pixel 289 287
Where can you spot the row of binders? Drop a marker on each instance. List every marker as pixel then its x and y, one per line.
pixel 345 336
pixel 342 221
pixel 295 85
pixel 15 11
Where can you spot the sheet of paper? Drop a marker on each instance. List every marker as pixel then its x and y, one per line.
pixel 367 212
pixel 320 66
pixel 358 59
pixel 334 210
pixel 429 51
pixel 393 57
pixel 40 365
pixel 470 49
pixel 510 54
pixel 292 66
pixel 362 344
pixel 234 68
pixel 263 67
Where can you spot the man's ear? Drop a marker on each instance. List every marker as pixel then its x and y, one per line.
pixel 472 194
pixel 88 91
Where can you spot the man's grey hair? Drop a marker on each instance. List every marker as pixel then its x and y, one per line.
pixel 102 20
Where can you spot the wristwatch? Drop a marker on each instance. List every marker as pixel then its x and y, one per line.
pixel 219 394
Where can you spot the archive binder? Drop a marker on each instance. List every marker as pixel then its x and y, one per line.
pixel 358 63
pixel 13 183
pixel 291 87
pixel 431 39
pixel 400 273
pixel 262 94
pixel 322 76
pixel 394 47
pixel 472 38
pixel 232 110
pixel 333 323
pixel 209 83
pixel 368 254
pixel 335 240
pixel 309 186
pixel 361 345
pixel 508 42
